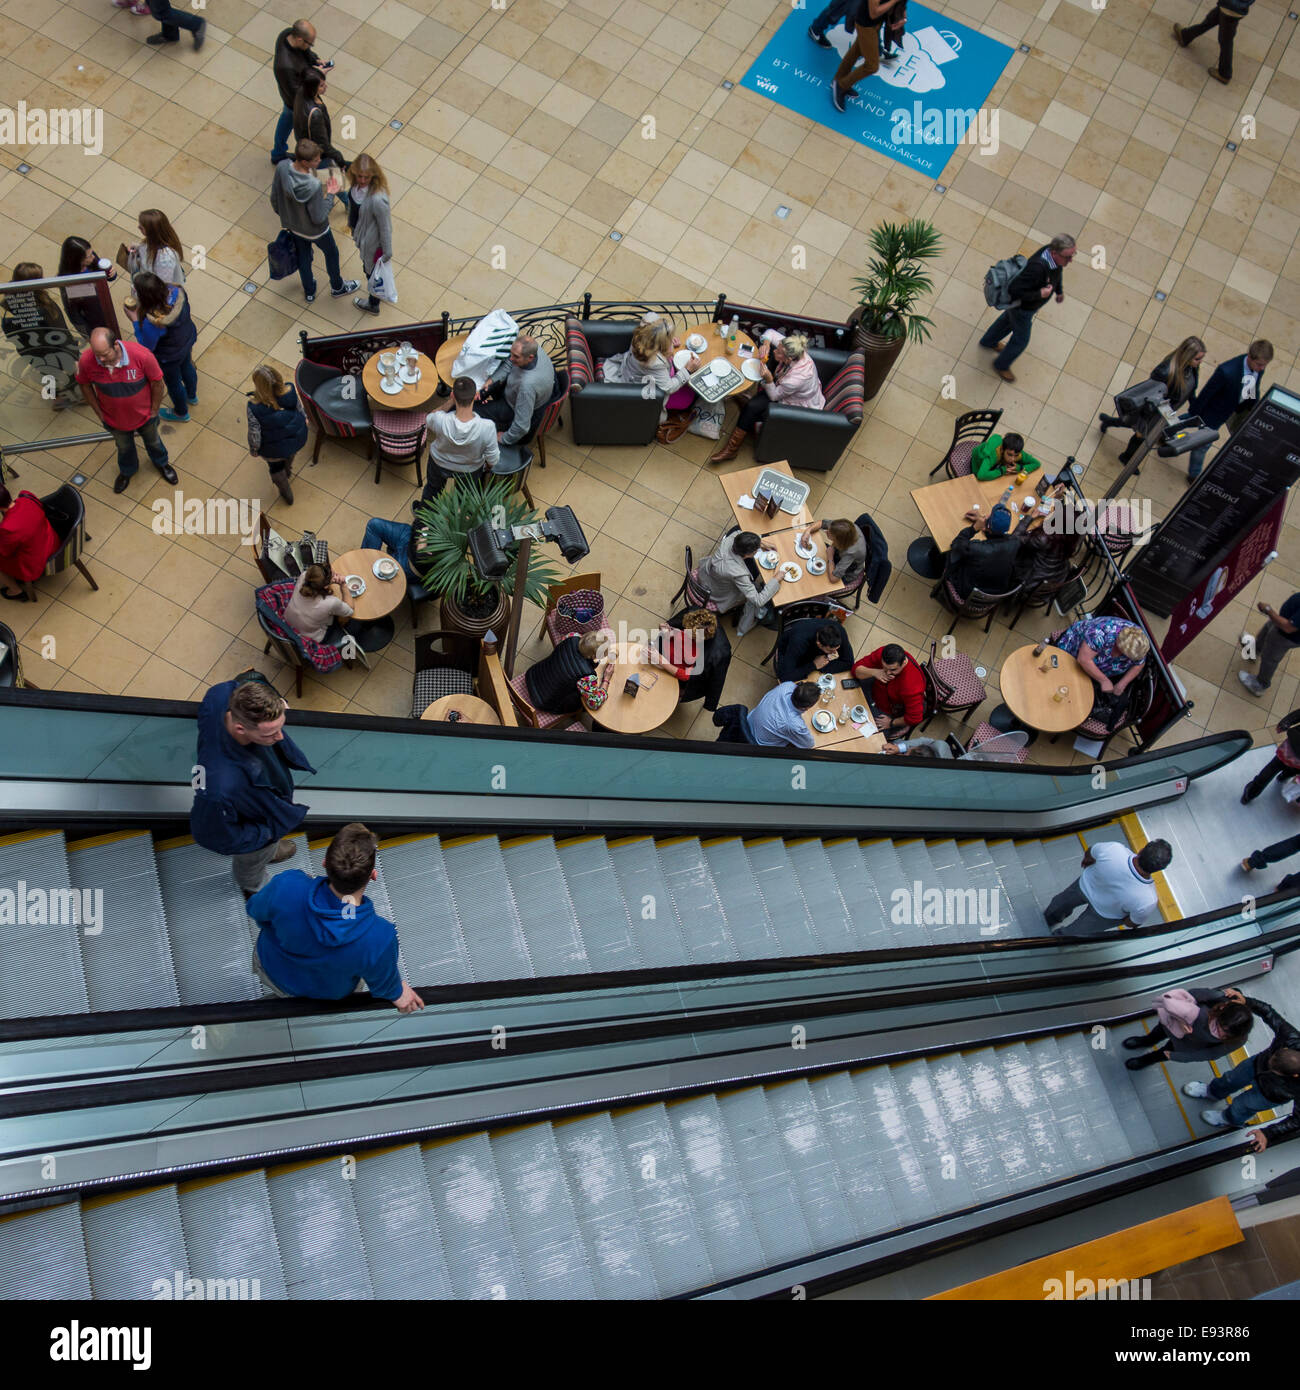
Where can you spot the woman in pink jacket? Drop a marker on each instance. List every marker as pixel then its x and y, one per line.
pixel 792 380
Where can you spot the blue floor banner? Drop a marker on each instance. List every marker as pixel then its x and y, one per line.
pixel 926 99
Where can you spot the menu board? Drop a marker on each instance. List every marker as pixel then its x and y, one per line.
pixel 1243 481
pixel 788 491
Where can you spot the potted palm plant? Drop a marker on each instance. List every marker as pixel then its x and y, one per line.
pixel 896 279
pixel 472 603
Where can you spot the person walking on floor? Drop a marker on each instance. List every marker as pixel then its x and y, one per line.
pixel 863 56
pixel 1280 633
pixel 1029 291
pixel 370 220
pixel 1269 1078
pixel 1194 1025
pixel 1229 396
pixel 1285 761
pixel 292 58
pixel 243 797
pixel 123 384
pixel 1224 15
pixel 173 21
pixel 1114 889
pixel 836 11
pixel 303 208
pixel 1274 854
pixel 277 427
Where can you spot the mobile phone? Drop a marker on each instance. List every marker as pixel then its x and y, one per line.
pixel 849 683
pixel 1055 662
pixel 746 350
pixel 329 63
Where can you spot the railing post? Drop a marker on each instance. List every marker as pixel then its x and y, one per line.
pixel 516 606
pixel 302 341
pixel 586 306
pixel 717 308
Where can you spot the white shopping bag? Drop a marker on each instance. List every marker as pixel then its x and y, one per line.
pixel 1291 790
pixel 383 284
pixel 487 346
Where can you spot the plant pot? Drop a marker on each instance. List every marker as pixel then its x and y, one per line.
pixel 474 619
pixel 880 353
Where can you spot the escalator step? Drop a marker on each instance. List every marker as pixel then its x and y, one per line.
pixel 602 1201
pixel 1106 1125
pixel 863 1186
pixel 713 1178
pixel 1004 1121
pixel 960 917
pixel 747 920
pixel 471 1213
pixel 133 1240
pixel 1026 914
pixel 230 1233
pixel 880 858
pixel 821 891
pixel 606 927
pixel 555 944
pixel 43 1254
pixel 941 1138
pixel 870 920
pixel 891 1144
pixel 1054 1157
pixel 670 1224
pixel 695 896
pixel 984 1173
pixel 43 971
pixel 917 868
pixel 403 1246
pixel 996 919
pixel 640 877
pixel 1068 1106
pixel 129 958
pixel 488 916
pixel 419 893
pixel 1039 874
pixel 1118 1081
pixel 319 1232
pixel 552 1253
pixel 811 1163
pixel 786 908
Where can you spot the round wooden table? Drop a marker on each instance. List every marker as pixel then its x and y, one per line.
pixel 1027 691
pixel 409 397
pixel 715 347
pixel 381 595
pixel 447 355
pixel 649 707
pixel 470 708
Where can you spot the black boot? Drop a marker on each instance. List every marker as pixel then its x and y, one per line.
pixel 281 481
pixel 1131 448
pixel 1150 1060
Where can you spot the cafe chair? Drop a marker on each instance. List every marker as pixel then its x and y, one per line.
pixel 399 437
pixel 951 686
pixel 971 429
pixel 292 647
pixel 814 439
pixel 1040 595
pixel 445 663
pixel 546 417
pixel 583 593
pixel 990 745
pixel 1141 695
pixel 977 604
pixel 535 718
pixel 691 589
pixel 605 412
pixel 320 389
pixel 65 510
pixel 875 574
pixel 514 464
pixel 11 663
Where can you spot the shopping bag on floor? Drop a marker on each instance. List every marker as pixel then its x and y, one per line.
pixel 708 419
pixel 282 256
pixel 383 285
pixel 486 347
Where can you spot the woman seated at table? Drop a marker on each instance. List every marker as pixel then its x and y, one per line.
pixel 27 540
pixel 1002 455
pixel 793 381
pixel 695 649
pixel 1047 541
pixel 850 549
pixel 649 359
pixel 983 554
pixel 314 609
pixel 1112 651
pixel 552 682
pixel 727 576
pixel 812 647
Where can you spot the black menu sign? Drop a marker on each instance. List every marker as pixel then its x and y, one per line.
pixel 1257 464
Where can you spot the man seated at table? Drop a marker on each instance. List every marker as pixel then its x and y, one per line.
pixel 728 577
pixel 983 555
pixel 517 389
pixel 399 539
pixel 777 720
pixel 460 439
pixel 894 688
pixel 812 647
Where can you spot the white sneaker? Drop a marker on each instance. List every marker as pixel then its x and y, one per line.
pixel 1214 1118
pixel 1251 683
pixel 1197 1089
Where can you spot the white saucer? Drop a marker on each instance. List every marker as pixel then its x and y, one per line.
pixel 859 714
pixel 719 366
pixel 394 389
pixel 696 343
pixel 354 584
pixel 816 565
pixel 766 559
pixel 384 569
pixel 823 721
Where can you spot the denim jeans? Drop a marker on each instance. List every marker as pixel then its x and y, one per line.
pixel 1227 26
pixel 182 383
pixel 833 12
pixel 395 537
pixel 1249 1102
pixel 329 249
pixel 283 130
pixel 173 20
pixel 1016 321
pixel 128 461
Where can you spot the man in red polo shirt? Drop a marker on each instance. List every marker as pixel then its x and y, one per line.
pixel 894 686
pixel 123 384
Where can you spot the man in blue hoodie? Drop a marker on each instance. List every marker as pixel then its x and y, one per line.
pixel 321 937
pixel 243 779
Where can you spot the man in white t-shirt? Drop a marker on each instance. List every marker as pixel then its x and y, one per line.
pixel 1115 889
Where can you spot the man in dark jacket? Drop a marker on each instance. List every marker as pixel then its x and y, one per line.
pixel 243 779
pixel 1270 1078
pixel 1224 15
pixel 1230 395
pixel 1030 290
pixel 810 648
pixel 983 556
pixel 293 56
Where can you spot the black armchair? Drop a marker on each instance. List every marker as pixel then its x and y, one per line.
pixel 815 439
pixel 606 412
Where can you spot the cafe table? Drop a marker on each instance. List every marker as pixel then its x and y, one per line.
pixel 848 737
pixel 943 507
pixel 650 706
pixel 1029 692
pixel 446 356
pixel 410 397
pixel 370 626
pixel 714 335
pixel 470 708
pixel 778 533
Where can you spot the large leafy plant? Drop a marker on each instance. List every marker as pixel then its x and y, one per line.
pixel 896 279
pixel 441 541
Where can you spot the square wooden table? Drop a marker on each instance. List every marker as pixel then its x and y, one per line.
pixel 943 506
pixel 845 738
pixel 778 534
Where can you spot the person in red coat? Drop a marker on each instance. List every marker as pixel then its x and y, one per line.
pixel 27 540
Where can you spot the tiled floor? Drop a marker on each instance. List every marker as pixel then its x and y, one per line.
pixel 1267 1258
pixel 523 130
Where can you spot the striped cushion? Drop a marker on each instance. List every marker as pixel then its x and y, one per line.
pixel 582 370
pixel 959 458
pixel 844 390
pixel 985 732
pixel 959 685
pixel 399 428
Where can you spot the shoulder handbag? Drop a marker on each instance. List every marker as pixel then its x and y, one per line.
pixel 282 256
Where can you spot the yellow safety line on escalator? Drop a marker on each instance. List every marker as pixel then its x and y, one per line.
pixel 105 839
pixel 174 843
pixel 26 835
pixel 1131 824
pixel 524 840
pixel 1174 1091
pixel 405 840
